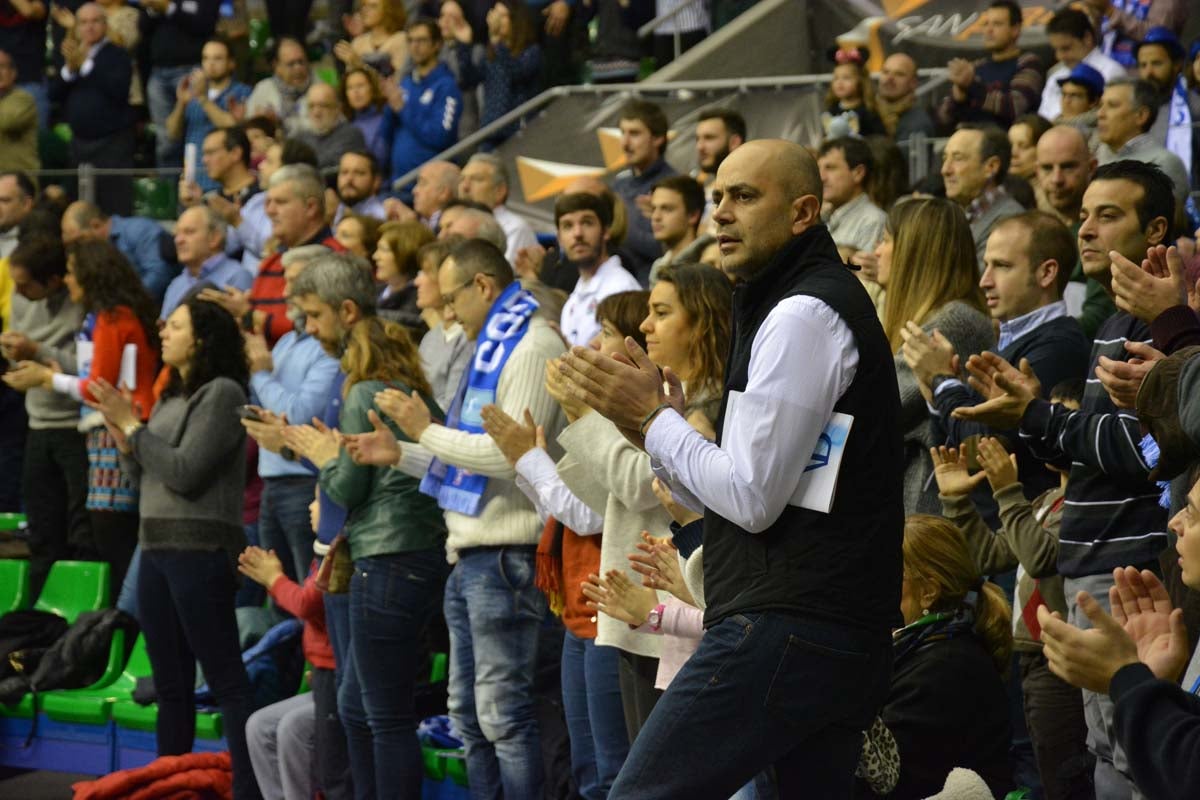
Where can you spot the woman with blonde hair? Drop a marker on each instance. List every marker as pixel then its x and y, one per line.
pixel 927 266
pixel 380 41
pixel 397 542
pixel 947 706
pixel 396 266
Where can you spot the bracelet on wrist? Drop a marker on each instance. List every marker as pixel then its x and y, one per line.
pixel 650 418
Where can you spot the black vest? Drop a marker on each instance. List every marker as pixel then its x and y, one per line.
pixel 843 566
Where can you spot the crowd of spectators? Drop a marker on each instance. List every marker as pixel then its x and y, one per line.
pixel 398 412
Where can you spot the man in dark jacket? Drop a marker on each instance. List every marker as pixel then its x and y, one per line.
pixel 93 88
pixel 796 657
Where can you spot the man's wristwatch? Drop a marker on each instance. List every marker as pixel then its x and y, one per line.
pixel 939 379
pixel 130 428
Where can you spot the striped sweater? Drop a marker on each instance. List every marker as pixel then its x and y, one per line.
pixel 1111 517
pixel 1002 91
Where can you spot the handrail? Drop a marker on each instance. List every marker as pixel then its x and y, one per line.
pixel 655 23
pixel 555 92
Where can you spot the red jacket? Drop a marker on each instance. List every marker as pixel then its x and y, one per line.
pixel 114 329
pixel 306 603
pixel 266 294
pixel 192 775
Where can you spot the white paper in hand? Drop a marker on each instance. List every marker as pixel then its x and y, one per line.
pixel 128 376
pixel 818 484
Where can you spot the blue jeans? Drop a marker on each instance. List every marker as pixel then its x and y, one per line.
pixel 283 522
pixel 591 693
pixel 186 602
pixel 493 612
pixel 127 601
pixel 41 98
pixel 391 599
pixel 762 689
pixel 160 100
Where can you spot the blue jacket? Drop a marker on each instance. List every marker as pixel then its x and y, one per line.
pixel 428 123
pixel 140 239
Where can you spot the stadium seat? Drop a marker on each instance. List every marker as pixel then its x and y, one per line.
pixel 74 587
pixel 14 585
pixel 94 704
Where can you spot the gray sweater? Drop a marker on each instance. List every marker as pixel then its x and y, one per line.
pixel 970 332
pixel 191 457
pixel 51 322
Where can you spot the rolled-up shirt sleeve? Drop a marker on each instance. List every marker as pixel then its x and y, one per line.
pixel 802 361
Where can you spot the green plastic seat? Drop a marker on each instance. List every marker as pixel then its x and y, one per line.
pixel 129 714
pixel 74 587
pixel 439 667
pixel 14 585
pixel 75 712
pixel 11 521
pixel 94 704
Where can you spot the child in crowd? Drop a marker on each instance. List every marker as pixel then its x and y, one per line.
pixel 850 104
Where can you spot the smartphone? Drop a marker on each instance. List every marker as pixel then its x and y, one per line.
pixel 250 413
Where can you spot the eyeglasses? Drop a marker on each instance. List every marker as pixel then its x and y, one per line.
pixel 448 299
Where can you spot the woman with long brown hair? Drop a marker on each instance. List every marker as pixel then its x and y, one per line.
pixel 379 42
pixel 362 102
pixel 927 266
pixel 510 70
pixel 947 706
pixel 121 319
pixel 396 267
pixel 397 540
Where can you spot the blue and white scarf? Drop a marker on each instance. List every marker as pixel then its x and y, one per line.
pixel 1117 45
pixel 457 489
pixel 1179 130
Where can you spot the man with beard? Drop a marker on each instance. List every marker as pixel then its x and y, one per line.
pixel 1160 60
pixel 644 141
pixel 719 131
pixel 583 222
pixel 281 96
pixel 897 99
pixel 327 131
pixel 204 101
pixel 225 156
pixel 358 182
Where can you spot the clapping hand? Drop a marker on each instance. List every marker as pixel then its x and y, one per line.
pixel 951 473
pixel 999 467
pixel 235 301
pixel 267 430
pixel 317 442
pixel 1123 379
pixel 1158 284
pixel 29 375
pixel 619 598
pixel 680 513
pixel 513 438
pixel 377 448
pixel 1143 627
pixel 657 561
pixel 927 355
pixel 1009 391
pixel 261 566
pixel 625 389
pixel 406 410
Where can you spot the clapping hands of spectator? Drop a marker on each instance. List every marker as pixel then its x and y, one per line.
pixel 657 561
pixel 619 597
pixel 226 208
pixel 317 442
pixel 557 14
pixel 407 410
pixel 529 261
pixel 261 566
pixel 927 356
pixel 398 211
pixel 1158 284
pixel 868 265
pixel 258 354
pixel 394 95
pixel 558 388
pixel 267 430
pixel 16 346
pixel 961 74
pixel 73 53
pixel 344 52
pixel 680 513
pixel 513 438
pixel 998 465
pixel 63 17
pixel 1143 627
pixel 190 193
pixel 118 409
pixel 235 301
pixel 951 473
pixel 198 83
pixel 29 375
pixel 628 390
pixel 1123 379
pixel 378 448
pixel 1008 391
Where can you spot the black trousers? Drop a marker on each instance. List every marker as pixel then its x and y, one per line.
pixel 115 536
pixel 333 760
pixel 54 483
pixel 1054 716
pixel 114 193
pixel 638 695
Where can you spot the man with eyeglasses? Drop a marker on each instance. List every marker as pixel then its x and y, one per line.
pixel 422 113
pixel 281 96
pixel 18 122
pixel 205 100
pixel 326 130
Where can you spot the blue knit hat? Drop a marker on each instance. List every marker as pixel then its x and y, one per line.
pixel 1164 37
pixel 1087 77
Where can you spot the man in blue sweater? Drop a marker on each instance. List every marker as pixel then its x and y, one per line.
pixel 1027 264
pixel 1111 517
pixel 422 113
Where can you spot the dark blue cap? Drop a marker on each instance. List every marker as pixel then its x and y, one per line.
pixel 1163 36
pixel 1087 77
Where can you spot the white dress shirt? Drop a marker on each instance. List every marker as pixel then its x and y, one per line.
pixel 517 232
pixel 802 361
pixel 1051 107
pixel 579 323
pixel 537 478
